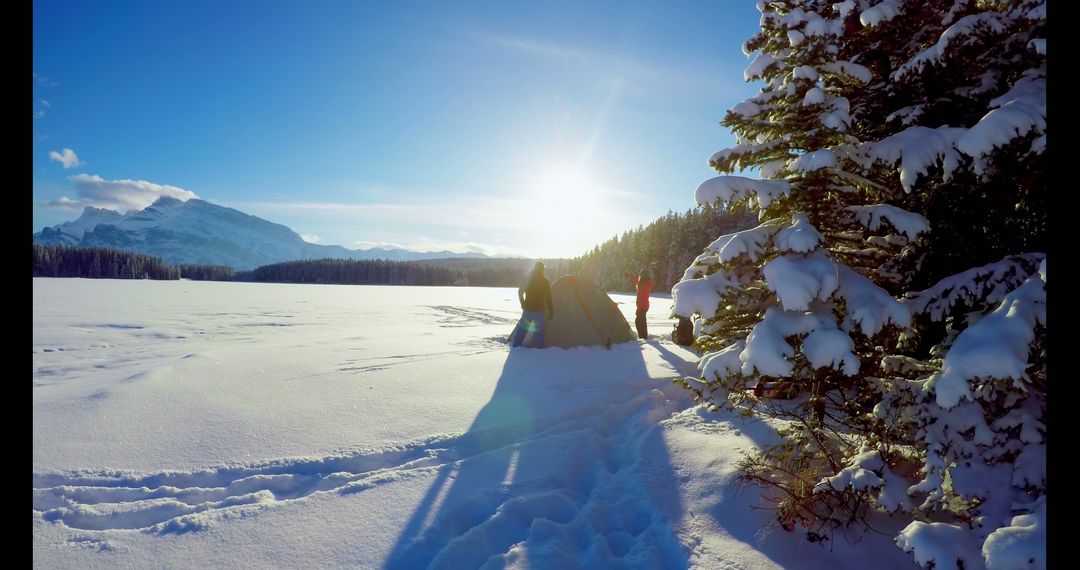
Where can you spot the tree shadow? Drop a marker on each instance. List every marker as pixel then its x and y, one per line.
pixel 565 467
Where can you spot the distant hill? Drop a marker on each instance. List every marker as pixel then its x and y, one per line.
pixel 198 232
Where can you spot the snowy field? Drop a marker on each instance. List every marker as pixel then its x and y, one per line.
pixel 200 424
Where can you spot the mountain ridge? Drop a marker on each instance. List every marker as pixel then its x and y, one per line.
pixel 198 232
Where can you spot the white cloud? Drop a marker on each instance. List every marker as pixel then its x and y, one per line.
pixel 122 195
pixel 45 104
pixel 65 203
pixel 68 158
pixel 311 238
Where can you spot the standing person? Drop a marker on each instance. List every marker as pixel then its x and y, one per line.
pixel 643 283
pixel 534 297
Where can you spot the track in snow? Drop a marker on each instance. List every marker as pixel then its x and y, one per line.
pixel 582 485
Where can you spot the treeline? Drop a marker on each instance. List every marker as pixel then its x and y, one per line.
pixel 355 272
pixel 500 272
pixel 99 263
pixel 207 272
pixel 108 263
pixel 665 247
pixel 453 272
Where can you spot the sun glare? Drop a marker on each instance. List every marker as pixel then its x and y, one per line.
pixel 564 210
pixel 565 196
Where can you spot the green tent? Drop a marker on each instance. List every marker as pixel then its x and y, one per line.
pixel 584 316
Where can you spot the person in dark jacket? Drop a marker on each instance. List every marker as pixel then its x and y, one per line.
pixel 535 298
pixel 643 283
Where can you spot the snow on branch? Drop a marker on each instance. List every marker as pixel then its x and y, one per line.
pixel 759 66
pixel 978 286
pixel 811 161
pixel 880 13
pixel 868 305
pixel 961 31
pixel 735 188
pixel 1022 544
pixel 916 149
pixel 859 474
pixel 800 237
pixel 749 242
pixel 804 72
pixel 702 296
pixel 1037 13
pixel 768 351
pixel 746 109
pixel 995 347
pixel 798 280
pixel 1015 114
pixel 719 364
pixel 908 223
pixel 940 544
pixel 847 69
pixel 737 154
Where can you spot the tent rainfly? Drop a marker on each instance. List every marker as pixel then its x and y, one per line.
pixel 584 316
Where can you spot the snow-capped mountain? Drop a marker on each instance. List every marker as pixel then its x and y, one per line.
pixel 196 231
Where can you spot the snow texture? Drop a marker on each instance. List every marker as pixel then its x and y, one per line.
pixel 1022 544
pixel 801 236
pixel 799 280
pixel 907 223
pixel 719 364
pixel 814 160
pixel 701 296
pixel 769 353
pixel 940 544
pixel 736 188
pixel 844 8
pixel 995 347
pixel 804 72
pixel 1020 111
pixel 750 243
pixel 758 67
pixel 814 96
pixel 966 26
pixel 746 109
pixel 847 69
pixel 987 284
pixel 880 13
pixel 196 424
pixel 868 305
pixel 916 149
pixel 860 474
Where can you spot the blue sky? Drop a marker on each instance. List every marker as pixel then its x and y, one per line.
pixel 537 129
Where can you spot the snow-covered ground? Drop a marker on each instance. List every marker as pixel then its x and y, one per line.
pixel 198 424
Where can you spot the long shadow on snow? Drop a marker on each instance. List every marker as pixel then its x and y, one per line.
pixel 581 478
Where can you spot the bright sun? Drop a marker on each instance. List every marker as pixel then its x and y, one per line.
pixel 564 196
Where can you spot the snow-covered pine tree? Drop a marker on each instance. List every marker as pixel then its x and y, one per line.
pixel 894 280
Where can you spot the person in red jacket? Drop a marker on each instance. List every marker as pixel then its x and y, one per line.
pixel 643 283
